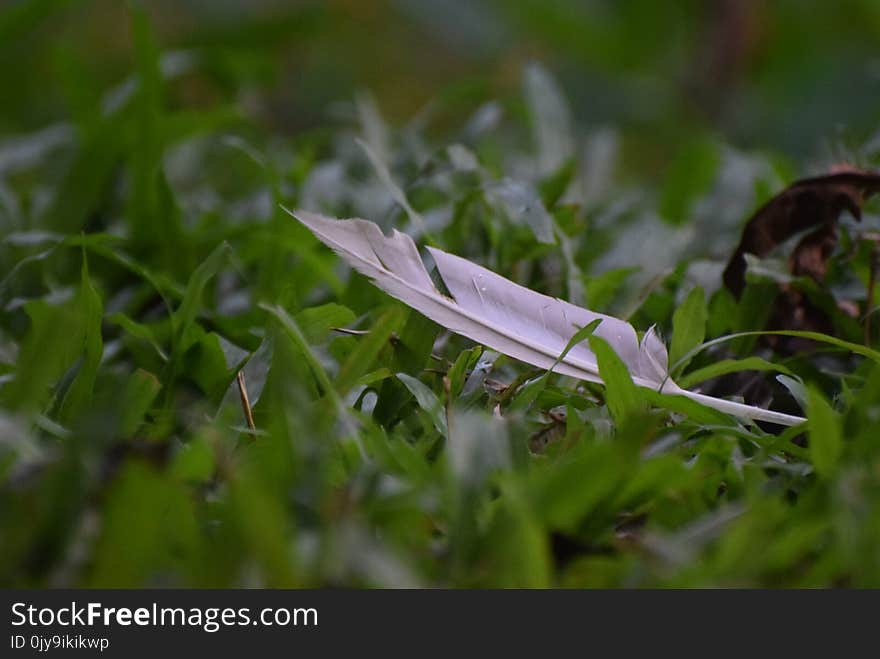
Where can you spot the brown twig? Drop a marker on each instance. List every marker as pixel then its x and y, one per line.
pixel 245 401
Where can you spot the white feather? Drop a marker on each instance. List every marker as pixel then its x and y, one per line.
pixel 496 312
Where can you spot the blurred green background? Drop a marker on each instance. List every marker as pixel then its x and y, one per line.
pixel 605 152
pixel 785 75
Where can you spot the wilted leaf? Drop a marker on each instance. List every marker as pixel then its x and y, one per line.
pixel 811 203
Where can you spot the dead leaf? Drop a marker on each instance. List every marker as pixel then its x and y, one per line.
pixel 809 203
pixel 792 310
pixel 810 257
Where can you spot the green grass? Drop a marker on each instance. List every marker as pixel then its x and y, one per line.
pixel 147 259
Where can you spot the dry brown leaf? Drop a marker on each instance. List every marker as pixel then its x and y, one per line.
pixel 809 203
